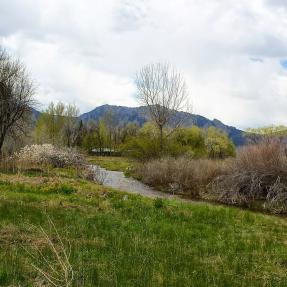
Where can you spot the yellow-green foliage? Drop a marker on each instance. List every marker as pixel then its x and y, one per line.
pixel 256 135
pixel 49 126
pixel 194 142
pixel 268 131
pixel 58 125
pixel 218 144
pixel 145 145
pixel 189 141
pixel 96 136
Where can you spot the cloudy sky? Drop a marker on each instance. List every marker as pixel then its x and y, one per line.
pixel 233 54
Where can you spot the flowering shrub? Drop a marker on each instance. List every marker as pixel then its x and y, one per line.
pixel 47 154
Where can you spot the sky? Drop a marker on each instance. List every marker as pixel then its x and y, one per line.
pixel 232 54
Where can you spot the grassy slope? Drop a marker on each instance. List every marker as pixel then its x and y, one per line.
pixel 120 240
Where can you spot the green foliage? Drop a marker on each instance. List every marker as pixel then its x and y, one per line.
pixel 59 125
pixel 50 124
pixel 256 135
pixel 145 145
pixel 268 131
pixel 188 141
pixel 96 136
pixel 218 144
pixel 194 142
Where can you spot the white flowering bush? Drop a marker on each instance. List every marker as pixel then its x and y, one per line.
pixel 47 154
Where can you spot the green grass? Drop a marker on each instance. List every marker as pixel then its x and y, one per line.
pixel 119 239
pixel 111 162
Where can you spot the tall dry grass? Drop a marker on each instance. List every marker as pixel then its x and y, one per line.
pixel 181 175
pixel 259 173
pixel 257 176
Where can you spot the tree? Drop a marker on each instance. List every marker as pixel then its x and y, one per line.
pixel 72 125
pixel 141 146
pixel 16 97
pixel 110 120
pixel 95 136
pixel 50 125
pixel 218 144
pixel 59 124
pixel 190 140
pixel 267 134
pixel 163 90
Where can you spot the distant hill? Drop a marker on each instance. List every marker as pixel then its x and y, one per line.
pixel 35 115
pixel 138 115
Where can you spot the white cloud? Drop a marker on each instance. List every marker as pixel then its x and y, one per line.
pixel 87 51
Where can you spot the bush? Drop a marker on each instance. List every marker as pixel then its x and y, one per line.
pixel 259 172
pixel 181 175
pixel 190 142
pixel 42 155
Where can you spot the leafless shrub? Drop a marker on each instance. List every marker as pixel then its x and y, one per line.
pixel 181 175
pixel 276 199
pixel 51 258
pixel 259 172
pixel 100 174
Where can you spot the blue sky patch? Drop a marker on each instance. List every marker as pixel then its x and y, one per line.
pixel 284 63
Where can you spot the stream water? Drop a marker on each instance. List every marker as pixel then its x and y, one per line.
pixel 118 180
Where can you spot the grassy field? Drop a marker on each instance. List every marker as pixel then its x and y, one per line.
pixel 119 239
pixel 111 162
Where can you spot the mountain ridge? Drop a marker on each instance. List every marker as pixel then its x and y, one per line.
pixel 138 115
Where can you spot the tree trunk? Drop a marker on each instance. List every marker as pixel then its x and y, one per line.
pixel 161 138
pixel 1 145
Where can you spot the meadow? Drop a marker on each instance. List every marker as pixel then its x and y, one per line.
pixel 119 239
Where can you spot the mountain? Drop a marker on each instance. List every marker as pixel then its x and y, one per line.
pixel 138 115
pixel 35 115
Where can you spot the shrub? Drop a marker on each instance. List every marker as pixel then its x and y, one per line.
pixel 180 175
pixel 42 155
pixel 259 172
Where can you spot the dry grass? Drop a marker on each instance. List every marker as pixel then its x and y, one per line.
pixel 257 177
pixel 53 267
pixel 181 175
pixel 259 173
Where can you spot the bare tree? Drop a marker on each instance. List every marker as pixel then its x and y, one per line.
pixel 16 96
pixel 72 125
pixel 163 90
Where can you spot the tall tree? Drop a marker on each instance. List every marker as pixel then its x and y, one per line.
pixel 16 96
pixel 59 124
pixel 72 125
pixel 163 90
pixel 49 127
pixel 110 120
